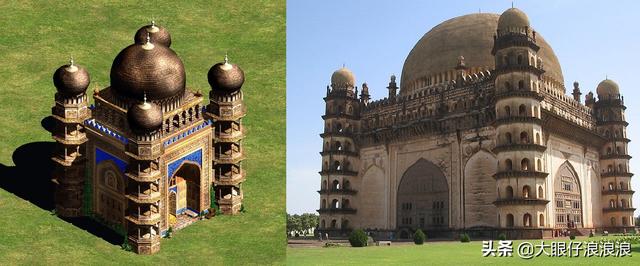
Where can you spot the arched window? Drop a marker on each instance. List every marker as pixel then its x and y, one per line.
pixel 625 221
pixel 611 187
pixel 524 137
pixel 346 184
pixel 345 224
pixel 509 220
pixel 613 221
pixel 335 185
pixel 622 187
pixel 519 59
pixel 324 204
pixel 338 145
pixel 322 224
pixel 539 165
pixel 526 191
pixel 540 192
pixel 333 223
pixel 324 184
pixel 508 165
pixel 624 204
pixel 612 203
pixel 541 220
pixel 621 168
pixel 508 138
pixel 509 192
pixel 345 203
pixel 524 164
pixel 334 204
pixel 522 110
pixel 526 220
pixel 521 85
pixel 507 111
pixel 608 150
pixel 507 86
pixel 336 166
pixel 538 141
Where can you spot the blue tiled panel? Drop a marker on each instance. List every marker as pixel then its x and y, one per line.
pixel 102 156
pixel 205 124
pixel 195 157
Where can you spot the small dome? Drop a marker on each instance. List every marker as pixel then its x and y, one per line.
pixel 144 117
pixel 225 77
pixel 71 79
pixel 607 88
pixel 148 68
pixel 157 34
pixel 513 18
pixel 343 78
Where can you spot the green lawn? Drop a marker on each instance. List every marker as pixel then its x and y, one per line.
pixel 440 253
pixel 38 37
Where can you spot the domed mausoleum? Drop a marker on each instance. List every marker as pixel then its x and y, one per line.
pixel 480 137
pixel 148 157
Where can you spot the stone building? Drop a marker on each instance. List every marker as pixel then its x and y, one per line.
pixel 149 155
pixel 479 136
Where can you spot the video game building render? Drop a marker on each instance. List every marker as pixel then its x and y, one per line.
pixel 148 156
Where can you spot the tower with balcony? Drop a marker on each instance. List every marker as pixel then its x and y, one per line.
pixel 69 112
pixel 614 158
pixel 339 153
pixel 520 148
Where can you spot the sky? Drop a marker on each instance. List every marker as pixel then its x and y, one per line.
pixel 592 40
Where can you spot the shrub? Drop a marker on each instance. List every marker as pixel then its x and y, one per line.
pixel 125 245
pixel 502 236
pixel 242 209
pixel 591 234
pixel 419 237
pixel 169 232
pixel 358 238
pixel 572 237
pixel 464 238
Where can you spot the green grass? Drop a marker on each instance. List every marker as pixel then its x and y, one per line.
pixel 38 37
pixel 440 253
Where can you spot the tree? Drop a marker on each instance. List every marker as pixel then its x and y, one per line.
pixel 301 224
pixel 358 238
pixel 419 237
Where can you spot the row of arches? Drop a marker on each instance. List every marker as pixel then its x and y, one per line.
pixel 333 224
pixel 336 204
pixel 335 185
pixel 522 111
pixel 339 109
pixel 625 221
pixel 337 127
pixel 622 168
pixel 338 166
pixel 525 165
pixel 618 150
pixel 527 220
pixel 623 203
pixel 527 193
pixel 338 146
pixel 616 134
pixel 520 59
pixel 623 186
pixel 186 117
pixel 524 138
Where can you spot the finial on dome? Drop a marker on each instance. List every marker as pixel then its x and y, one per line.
pixel 72 67
pixel 144 97
pixel 71 61
pixel 153 23
pixel 226 58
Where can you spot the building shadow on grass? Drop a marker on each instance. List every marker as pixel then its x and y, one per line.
pixel 30 179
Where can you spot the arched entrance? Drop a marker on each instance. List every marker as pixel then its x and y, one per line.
pixel 423 198
pixel 567 198
pixel 109 196
pixel 184 190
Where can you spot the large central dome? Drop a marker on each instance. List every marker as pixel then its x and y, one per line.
pixel 470 36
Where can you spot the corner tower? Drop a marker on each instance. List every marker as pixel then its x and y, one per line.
pixel 614 158
pixel 226 109
pixel 520 177
pixel 339 154
pixel 70 111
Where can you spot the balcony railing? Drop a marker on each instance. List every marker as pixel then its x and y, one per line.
pixel 337 211
pixel 520 201
pixel 340 191
pixel 513 173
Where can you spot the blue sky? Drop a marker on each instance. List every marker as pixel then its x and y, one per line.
pixel 592 39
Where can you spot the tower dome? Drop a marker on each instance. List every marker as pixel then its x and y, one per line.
pixel 513 18
pixel 343 78
pixel 71 79
pixel 607 88
pixel 144 117
pixel 148 68
pixel 157 34
pixel 225 77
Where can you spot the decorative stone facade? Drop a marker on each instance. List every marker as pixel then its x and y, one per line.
pixel 488 145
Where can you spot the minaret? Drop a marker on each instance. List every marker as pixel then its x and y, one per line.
pixel 339 154
pixel 143 175
pixel 576 91
pixel 226 109
pixel 364 95
pixel 393 88
pixel 614 159
pixel 461 70
pixel 520 147
pixel 70 111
